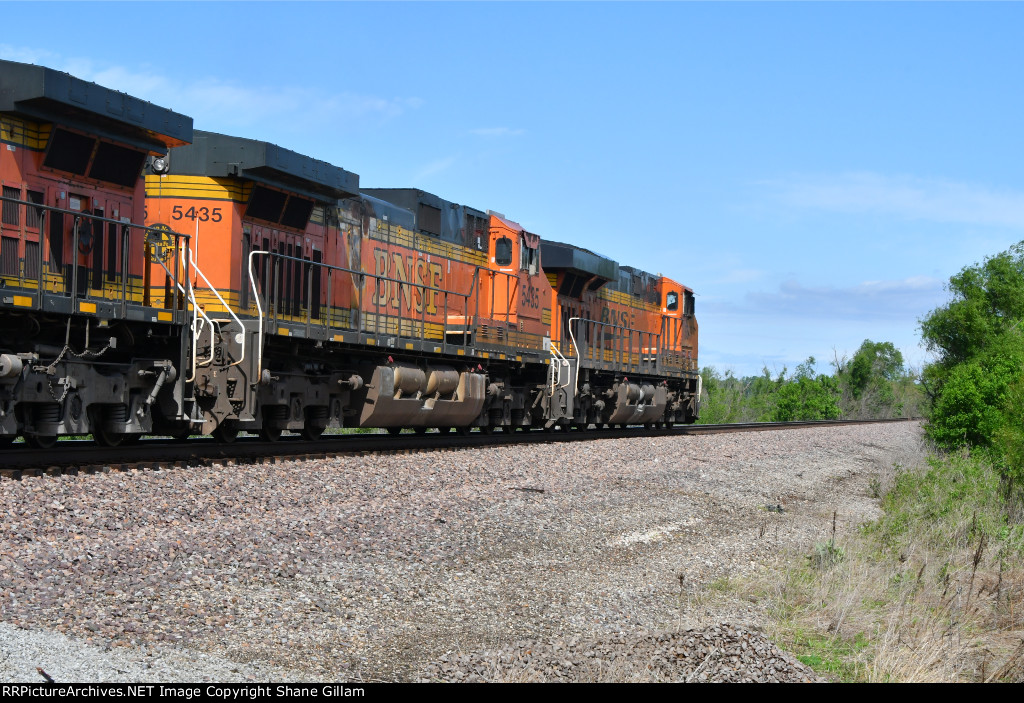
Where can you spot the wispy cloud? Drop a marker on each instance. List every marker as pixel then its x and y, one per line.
pixel 433 168
pixel 905 299
pixel 905 197
pixel 740 275
pixel 497 132
pixel 221 105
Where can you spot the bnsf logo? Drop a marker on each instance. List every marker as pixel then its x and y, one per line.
pixel 620 318
pixel 409 270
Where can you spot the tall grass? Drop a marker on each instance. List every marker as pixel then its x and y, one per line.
pixel 931 591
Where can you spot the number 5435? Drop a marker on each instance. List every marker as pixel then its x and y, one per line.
pixel 203 214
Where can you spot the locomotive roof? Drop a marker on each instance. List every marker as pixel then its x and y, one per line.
pixel 219 155
pixel 42 93
pixel 382 209
pixel 559 256
pixel 447 221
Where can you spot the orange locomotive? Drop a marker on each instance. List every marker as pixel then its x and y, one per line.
pixel 322 305
pixel 82 349
pixel 268 293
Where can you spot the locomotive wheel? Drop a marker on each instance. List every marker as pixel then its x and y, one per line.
pixel 270 434
pixel 444 430
pixel 40 441
pixel 311 433
pixel 180 434
pixel 106 438
pixel 226 433
pixel 463 431
pixel 7 439
pixel 487 429
pixel 394 431
pixel 420 430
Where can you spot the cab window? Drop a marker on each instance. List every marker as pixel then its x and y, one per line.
pixel 529 258
pixel 672 301
pixel 503 251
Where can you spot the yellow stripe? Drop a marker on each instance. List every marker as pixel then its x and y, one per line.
pixel 198 187
pixel 615 296
pixel 399 236
pixel 31 135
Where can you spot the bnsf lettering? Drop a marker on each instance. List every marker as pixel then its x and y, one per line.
pixel 416 279
pixel 620 318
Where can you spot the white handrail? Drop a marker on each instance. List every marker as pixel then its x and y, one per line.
pixel 196 312
pixel 259 309
pixel 222 302
pixel 560 361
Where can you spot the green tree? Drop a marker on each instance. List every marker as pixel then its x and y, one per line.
pixel 980 366
pixel 988 302
pixel 807 396
pixel 869 382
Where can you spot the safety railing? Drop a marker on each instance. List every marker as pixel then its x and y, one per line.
pixel 624 348
pixel 366 299
pixel 79 256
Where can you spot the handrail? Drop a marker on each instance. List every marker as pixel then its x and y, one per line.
pixel 227 307
pixel 126 229
pixel 196 311
pixel 561 361
pixel 259 310
pixel 654 340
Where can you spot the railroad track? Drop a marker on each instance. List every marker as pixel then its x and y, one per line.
pixel 83 456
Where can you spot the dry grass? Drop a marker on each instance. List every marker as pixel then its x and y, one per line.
pixel 933 591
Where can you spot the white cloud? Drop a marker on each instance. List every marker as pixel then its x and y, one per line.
pixel 433 168
pixel 904 196
pixel 219 105
pixel 906 299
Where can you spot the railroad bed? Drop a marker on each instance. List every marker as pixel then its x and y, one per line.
pixel 83 456
pixel 395 566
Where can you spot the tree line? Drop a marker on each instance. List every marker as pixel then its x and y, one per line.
pixel 874 383
pixel 971 395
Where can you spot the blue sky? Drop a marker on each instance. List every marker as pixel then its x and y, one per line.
pixel 815 172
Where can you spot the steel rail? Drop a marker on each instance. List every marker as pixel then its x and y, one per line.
pixel 83 456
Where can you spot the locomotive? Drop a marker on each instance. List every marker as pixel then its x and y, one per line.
pixel 160 280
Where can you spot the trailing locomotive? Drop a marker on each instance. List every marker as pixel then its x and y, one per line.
pixel 160 280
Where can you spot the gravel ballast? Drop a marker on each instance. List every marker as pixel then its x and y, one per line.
pixel 396 567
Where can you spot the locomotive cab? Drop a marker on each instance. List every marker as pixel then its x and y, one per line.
pixel 514 300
